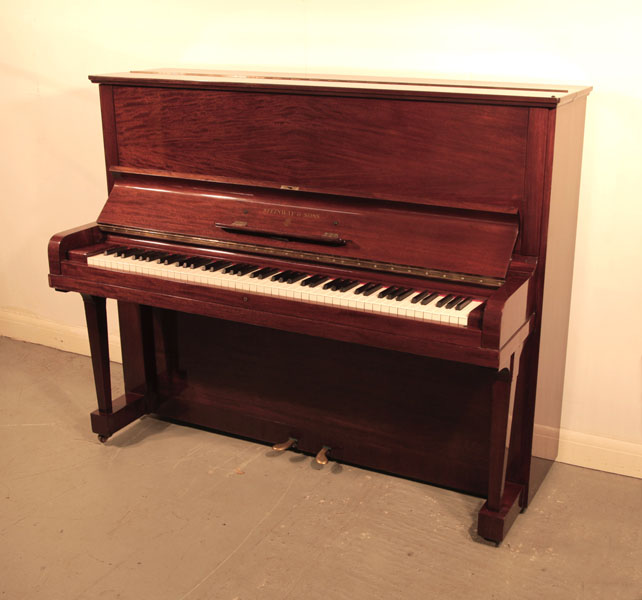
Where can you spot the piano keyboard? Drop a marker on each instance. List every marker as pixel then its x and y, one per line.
pixel 419 304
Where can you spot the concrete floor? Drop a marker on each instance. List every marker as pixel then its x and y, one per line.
pixel 166 512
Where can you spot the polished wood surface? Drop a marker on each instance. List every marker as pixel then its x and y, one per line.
pixel 300 141
pixel 454 241
pixel 468 189
pixel 484 92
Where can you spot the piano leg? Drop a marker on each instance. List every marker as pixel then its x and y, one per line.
pixel 139 354
pixel 503 503
pixel 111 415
pixel 96 315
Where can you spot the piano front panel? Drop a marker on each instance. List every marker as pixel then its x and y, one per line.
pixel 376 408
pixel 366 147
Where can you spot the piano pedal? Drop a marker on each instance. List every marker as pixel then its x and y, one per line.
pixel 289 443
pixel 322 455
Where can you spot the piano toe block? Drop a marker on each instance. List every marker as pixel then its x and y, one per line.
pixel 126 409
pixel 494 525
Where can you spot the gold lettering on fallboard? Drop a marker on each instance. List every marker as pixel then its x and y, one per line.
pixel 282 212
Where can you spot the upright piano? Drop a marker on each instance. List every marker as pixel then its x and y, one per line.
pixel 369 270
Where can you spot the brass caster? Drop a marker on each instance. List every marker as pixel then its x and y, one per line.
pixel 322 455
pixel 290 443
pixel 102 438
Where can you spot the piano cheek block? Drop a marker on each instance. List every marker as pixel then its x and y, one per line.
pixel 377 308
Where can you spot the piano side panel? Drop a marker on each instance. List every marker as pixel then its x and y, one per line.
pixel 417 417
pixel 391 149
pixel 549 225
pixel 109 130
pixel 558 252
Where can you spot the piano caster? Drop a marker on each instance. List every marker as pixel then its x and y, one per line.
pixel 102 438
pixel 290 443
pixel 322 455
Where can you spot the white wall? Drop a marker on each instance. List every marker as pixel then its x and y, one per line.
pixel 51 167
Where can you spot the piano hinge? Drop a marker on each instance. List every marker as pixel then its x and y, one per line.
pixel 493 282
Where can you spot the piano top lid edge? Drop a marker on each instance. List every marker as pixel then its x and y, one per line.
pixel 549 95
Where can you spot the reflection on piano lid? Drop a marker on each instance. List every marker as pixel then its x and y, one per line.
pixel 420 303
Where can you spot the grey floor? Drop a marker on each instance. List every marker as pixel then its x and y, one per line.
pixel 166 512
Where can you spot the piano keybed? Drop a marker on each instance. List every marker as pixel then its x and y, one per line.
pixel 417 303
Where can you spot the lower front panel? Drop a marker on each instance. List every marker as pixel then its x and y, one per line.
pixel 417 417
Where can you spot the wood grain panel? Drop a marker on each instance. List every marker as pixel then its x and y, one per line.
pixel 414 416
pixel 399 150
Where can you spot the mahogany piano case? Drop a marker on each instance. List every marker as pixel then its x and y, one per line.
pixel 367 270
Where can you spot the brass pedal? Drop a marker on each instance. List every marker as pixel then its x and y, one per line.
pixel 289 443
pixel 322 455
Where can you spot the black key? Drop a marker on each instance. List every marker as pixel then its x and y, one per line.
pixel 428 299
pixel 267 273
pixel 282 276
pixel 350 285
pixel 218 265
pixel 363 288
pixel 389 290
pixel 395 294
pixel 115 250
pixel 260 272
pixel 246 269
pixel 465 302
pixel 143 254
pixel 420 296
pixel 156 255
pixel 297 277
pixel 372 289
pixel 444 300
pixel 319 281
pixel 129 252
pixel 337 284
pixel 404 294
pixel 330 284
pixel 310 279
pixel 207 265
pixel 172 258
pixel 186 261
pixel 194 263
pixel 454 301
pixel 231 269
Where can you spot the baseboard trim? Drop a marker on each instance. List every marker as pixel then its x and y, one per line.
pixel 28 328
pixel 594 452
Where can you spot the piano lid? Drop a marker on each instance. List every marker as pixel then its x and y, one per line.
pixel 524 94
pixel 420 240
